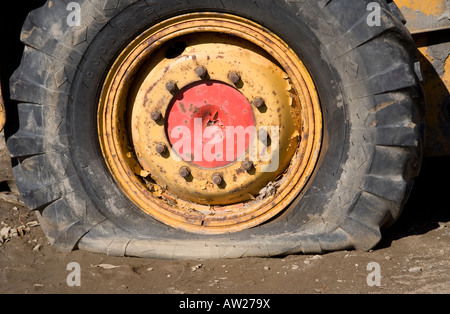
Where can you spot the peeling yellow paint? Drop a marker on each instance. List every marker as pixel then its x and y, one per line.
pixel 428 7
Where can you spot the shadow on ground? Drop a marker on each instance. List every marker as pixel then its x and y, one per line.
pixel 428 204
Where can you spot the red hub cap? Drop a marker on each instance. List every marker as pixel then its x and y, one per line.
pixel 210 124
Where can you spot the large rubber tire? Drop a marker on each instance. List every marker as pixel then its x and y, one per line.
pixel 369 91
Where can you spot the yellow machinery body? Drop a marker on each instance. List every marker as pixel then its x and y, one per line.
pixel 429 23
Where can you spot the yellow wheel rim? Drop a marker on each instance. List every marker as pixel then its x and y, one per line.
pixel 135 105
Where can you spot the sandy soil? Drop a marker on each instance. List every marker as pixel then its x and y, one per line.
pixel 412 258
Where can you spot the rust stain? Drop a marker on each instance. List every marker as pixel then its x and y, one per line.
pixel 381 106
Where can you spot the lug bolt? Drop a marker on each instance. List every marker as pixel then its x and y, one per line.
pixel 258 102
pixel 171 86
pixel 156 115
pixel 247 165
pixel 234 77
pixel 161 148
pixel 201 72
pixel 185 172
pixel 217 179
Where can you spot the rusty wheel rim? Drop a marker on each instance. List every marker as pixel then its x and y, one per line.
pixel 210 54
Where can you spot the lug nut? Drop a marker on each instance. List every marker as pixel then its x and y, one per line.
pixel 234 77
pixel 171 86
pixel 247 165
pixel 201 72
pixel 156 115
pixel 258 102
pixel 161 148
pixel 217 179
pixel 185 172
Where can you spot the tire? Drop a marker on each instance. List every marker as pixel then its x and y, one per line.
pixel 371 152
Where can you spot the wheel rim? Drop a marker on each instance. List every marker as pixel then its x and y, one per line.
pixel 232 81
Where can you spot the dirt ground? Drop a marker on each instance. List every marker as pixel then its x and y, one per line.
pixel 412 258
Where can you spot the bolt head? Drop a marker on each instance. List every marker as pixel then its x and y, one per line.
pixel 201 72
pixel 171 86
pixel 258 102
pixel 156 115
pixel 185 172
pixel 234 77
pixel 217 179
pixel 161 148
pixel 247 165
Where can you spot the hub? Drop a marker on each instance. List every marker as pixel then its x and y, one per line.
pixel 207 124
